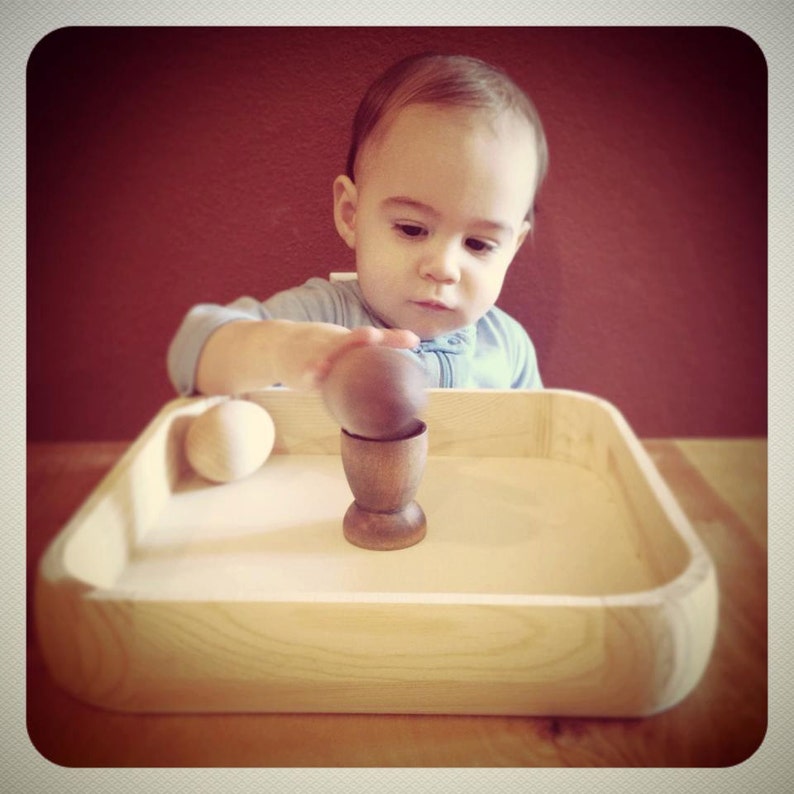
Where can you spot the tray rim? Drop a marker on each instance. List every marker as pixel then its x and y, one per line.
pixel 698 569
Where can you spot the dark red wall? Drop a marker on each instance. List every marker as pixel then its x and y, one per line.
pixel 172 166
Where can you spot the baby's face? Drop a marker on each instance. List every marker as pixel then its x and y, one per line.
pixel 437 213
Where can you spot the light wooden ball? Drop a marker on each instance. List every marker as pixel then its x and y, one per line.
pixel 375 392
pixel 230 440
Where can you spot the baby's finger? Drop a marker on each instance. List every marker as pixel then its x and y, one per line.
pixel 362 335
pixel 358 337
pixel 399 337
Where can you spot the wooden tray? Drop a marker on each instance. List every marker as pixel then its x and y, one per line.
pixel 558 575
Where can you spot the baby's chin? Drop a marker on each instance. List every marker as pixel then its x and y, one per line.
pixel 425 322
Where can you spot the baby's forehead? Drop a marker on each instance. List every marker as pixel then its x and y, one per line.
pixel 414 121
pixel 452 153
pixel 467 115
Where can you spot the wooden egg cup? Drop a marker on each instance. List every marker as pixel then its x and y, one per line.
pixel 384 475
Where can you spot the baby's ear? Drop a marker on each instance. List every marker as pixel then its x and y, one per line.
pixel 526 226
pixel 345 198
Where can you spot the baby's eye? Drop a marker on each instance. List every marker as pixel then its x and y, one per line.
pixel 410 229
pixel 480 246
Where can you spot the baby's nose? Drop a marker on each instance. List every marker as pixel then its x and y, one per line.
pixel 441 264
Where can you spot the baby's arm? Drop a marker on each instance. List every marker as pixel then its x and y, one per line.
pixel 246 355
pixel 291 339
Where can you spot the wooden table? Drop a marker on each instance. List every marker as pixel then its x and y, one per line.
pixel 720 484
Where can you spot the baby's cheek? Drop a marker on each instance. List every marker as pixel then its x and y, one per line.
pixel 490 283
pixel 378 292
pixel 380 285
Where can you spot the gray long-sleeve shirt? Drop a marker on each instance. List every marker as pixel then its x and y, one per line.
pixel 495 352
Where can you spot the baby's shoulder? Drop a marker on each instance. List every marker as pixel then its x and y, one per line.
pixel 498 323
pixel 322 300
pixel 344 294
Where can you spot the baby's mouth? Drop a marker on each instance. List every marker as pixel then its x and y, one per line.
pixel 435 306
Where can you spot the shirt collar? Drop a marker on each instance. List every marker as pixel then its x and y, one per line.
pixel 459 341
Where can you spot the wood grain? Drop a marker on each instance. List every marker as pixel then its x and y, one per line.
pixel 720 724
pixel 170 636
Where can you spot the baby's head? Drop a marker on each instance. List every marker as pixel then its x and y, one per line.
pixel 446 158
pixel 452 81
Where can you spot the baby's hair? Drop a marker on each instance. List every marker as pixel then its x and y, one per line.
pixel 451 80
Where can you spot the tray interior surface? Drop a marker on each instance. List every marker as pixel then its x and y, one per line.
pixel 555 561
pixel 507 525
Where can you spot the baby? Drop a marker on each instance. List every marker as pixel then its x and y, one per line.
pixel 446 159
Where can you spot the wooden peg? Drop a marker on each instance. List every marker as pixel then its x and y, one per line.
pixel 230 440
pixel 375 392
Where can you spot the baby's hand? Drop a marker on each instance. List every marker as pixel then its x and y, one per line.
pixel 312 348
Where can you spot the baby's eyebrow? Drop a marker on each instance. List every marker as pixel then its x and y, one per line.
pixel 405 202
